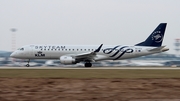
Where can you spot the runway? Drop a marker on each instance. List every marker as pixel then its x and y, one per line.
pixel 140 68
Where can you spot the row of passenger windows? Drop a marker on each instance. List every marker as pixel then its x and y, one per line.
pixel 69 49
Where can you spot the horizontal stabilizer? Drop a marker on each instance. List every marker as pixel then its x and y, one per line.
pixel 162 48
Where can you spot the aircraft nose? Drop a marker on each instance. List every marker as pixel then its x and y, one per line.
pixel 13 55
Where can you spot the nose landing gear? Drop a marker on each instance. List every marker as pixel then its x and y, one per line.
pixel 27 65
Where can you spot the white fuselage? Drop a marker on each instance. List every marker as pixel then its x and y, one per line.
pixel 107 52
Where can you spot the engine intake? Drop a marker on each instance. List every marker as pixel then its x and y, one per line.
pixel 67 60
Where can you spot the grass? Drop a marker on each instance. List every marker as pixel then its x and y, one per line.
pixel 89 73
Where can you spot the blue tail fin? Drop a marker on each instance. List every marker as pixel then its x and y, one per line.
pixel 156 37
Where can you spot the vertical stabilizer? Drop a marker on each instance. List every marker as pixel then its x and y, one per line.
pixel 156 37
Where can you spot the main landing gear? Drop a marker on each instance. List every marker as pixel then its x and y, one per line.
pixel 27 65
pixel 87 64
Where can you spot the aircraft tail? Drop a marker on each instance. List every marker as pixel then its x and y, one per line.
pixel 156 37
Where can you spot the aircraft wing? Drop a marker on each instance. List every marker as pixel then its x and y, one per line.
pixel 85 55
pixel 88 55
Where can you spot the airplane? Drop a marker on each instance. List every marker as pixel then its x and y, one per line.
pixel 72 54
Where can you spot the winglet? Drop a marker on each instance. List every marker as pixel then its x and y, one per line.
pixel 97 50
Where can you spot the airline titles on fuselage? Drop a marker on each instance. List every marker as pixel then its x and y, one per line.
pixel 50 47
pixel 39 54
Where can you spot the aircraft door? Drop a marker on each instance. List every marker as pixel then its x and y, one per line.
pixel 30 51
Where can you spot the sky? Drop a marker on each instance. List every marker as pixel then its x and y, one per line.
pixel 86 22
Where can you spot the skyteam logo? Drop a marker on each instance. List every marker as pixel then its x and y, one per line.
pixel 117 51
pixel 157 36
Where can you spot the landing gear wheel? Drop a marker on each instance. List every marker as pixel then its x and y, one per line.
pixel 87 64
pixel 27 65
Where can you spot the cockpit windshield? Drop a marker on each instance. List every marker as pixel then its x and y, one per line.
pixel 21 49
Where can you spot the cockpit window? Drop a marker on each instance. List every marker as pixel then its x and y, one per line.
pixel 21 49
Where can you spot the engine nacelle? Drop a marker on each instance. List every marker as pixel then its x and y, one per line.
pixel 67 60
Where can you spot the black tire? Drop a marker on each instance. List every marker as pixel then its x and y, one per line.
pixel 87 64
pixel 90 64
pixel 27 65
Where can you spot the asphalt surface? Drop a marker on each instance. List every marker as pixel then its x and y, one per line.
pixel 90 68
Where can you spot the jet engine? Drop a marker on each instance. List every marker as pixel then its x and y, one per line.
pixel 67 60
